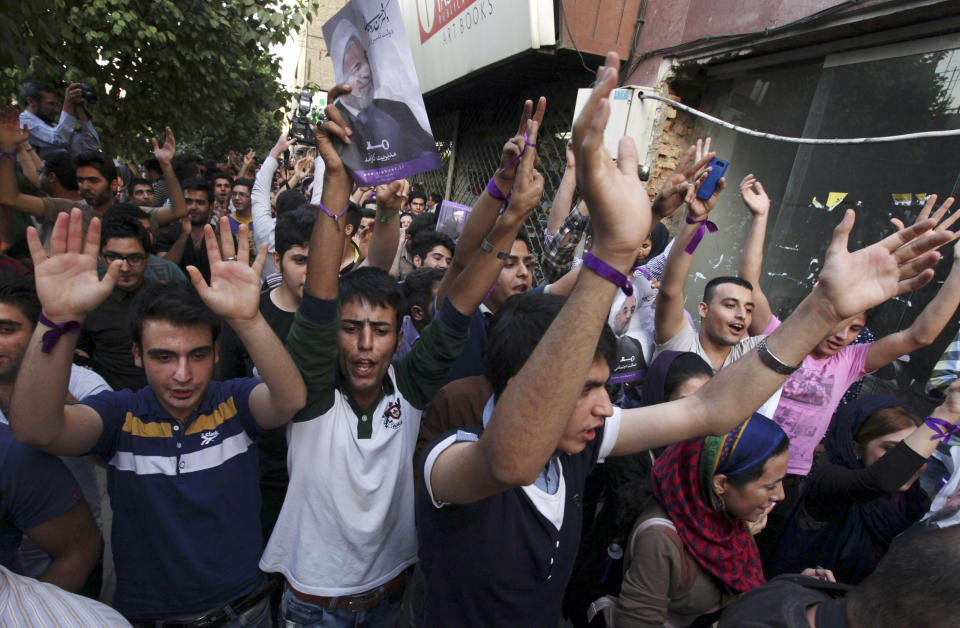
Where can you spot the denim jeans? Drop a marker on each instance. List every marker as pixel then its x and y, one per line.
pixel 257 617
pixel 295 613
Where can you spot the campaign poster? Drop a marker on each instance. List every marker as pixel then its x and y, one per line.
pixel 452 217
pixel 945 509
pixel 391 136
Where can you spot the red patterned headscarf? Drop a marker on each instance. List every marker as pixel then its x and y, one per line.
pixel 683 484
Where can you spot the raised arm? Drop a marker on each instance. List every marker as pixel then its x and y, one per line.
pixel 11 136
pixel 751 262
pixel 487 207
pixel 87 139
pixel 264 225
pixel 925 328
pixel 668 315
pixel 247 163
pixel 563 199
pixel 69 289
pixel 178 204
pixel 30 162
pixel 849 283
pixel 234 294
pixel 386 233
pixel 470 288
pixel 326 241
pixel 533 411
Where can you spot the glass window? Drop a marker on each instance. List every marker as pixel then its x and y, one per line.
pixel 811 186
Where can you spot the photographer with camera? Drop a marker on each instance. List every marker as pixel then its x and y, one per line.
pixel 48 134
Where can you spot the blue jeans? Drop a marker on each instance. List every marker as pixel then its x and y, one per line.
pixel 295 613
pixel 257 617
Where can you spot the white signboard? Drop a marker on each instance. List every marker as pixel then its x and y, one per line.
pixel 452 38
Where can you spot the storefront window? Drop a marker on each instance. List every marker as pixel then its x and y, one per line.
pixel 811 186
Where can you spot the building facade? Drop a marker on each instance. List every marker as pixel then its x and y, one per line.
pixel 802 68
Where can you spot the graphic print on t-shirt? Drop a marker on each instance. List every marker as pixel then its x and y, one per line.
pixel 811 389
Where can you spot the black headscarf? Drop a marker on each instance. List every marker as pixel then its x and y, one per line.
pixel 851 545
pixel 656 377
pixel 659 238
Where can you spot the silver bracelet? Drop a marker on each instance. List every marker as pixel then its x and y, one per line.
pixel 773 362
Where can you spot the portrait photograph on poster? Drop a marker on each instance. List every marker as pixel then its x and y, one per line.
pixel 391 136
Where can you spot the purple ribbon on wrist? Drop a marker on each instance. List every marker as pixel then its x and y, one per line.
pixel 608 272
pixel 336 217
pixel 50 338
pixel 705 225
pixel 943 429
pixel 495 192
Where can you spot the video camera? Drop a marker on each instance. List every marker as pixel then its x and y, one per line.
pixel 89 95
pixel 300 124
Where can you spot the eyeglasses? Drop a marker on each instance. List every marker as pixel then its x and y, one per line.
pixel 134 259
pixel 240 194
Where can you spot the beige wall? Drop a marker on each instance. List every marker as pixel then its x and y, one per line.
pixel 313 64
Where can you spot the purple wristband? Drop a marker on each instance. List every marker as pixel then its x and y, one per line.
pixel 705 225
pixel 336 217
pixel 608 272
pixel 50 338
pixel 495 192
pixel 9 155
pixel 943 429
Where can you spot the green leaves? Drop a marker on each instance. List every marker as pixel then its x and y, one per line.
pixel 202 67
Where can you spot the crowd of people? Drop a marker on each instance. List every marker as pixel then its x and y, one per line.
pixel 316 405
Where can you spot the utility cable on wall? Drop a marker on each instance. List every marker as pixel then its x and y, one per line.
pixel 801 140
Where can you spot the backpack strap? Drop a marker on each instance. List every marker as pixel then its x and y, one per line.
pixel 688 570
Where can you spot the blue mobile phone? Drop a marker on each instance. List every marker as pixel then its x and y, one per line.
pixel 709 186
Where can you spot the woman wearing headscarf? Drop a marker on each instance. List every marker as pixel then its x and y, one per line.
pixel 693 551
pixel 863 491
pixel 623 487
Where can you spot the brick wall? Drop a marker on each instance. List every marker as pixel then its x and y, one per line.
pixel 675 138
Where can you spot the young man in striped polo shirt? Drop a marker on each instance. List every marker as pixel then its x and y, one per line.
pixel 181 461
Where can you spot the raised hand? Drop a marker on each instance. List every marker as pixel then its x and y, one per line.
pixel 527 183
pixel 67 281
pixel 696 206
pixel 165 153
pixel 937 215
pixel 392 196
pixel 282 145
pixel 249 157
pixel 303 167
pixel 673 193
pixel 514 146
pixel 754 196
pixel 949 410
pixel 10 132
pixel 334 125
pixel 618 202
pixel 901 262
pixel 72 97
pixel 234 290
